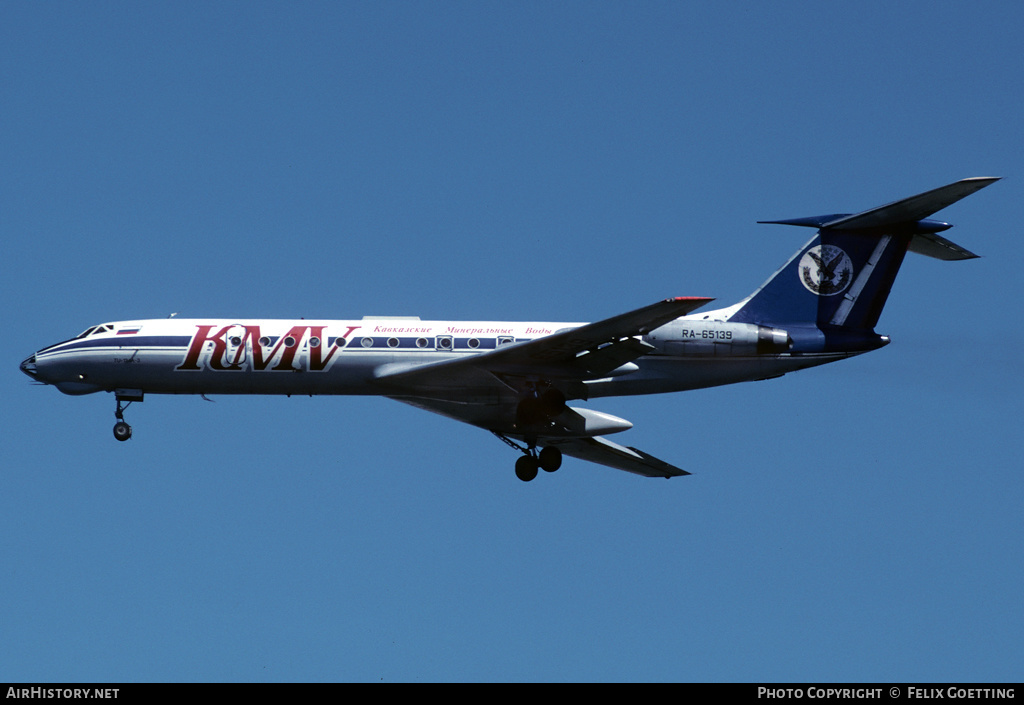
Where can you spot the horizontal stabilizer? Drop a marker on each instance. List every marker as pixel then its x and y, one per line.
pixel 908 216
pixel 933 245
pixel 912 209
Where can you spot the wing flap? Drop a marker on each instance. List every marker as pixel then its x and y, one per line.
pixel 598 363
pixel 565 345
pixel 604 452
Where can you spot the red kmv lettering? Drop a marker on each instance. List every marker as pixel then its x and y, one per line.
pixel 218 358
pixel 199 340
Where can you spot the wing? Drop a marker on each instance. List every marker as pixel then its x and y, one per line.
pixel 587 352
pixel 485 389
pixel 595 449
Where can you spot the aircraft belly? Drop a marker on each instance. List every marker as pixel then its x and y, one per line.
pixel 158 371
pixel 659 374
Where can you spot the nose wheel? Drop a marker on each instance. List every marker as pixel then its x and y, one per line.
pixel 122 431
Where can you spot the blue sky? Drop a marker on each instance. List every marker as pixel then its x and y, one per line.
pixel 507 161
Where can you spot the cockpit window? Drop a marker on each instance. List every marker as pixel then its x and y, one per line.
pixel 105 328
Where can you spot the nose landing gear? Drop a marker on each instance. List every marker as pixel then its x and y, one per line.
pixel 122 431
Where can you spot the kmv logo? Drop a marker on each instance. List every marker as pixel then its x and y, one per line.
pixel 236 347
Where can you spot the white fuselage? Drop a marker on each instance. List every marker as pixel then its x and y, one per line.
pixel 232 356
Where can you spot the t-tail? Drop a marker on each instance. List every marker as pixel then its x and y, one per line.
pixel 830 294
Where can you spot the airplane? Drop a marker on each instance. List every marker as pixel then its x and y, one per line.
pixel 516 379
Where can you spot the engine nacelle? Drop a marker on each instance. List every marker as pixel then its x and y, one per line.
pixel 721 338
pixel 566 421
pixel 587 423
pixel 772 340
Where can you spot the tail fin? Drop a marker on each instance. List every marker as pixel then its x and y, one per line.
pixel 840 280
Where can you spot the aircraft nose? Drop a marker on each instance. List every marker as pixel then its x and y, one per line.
pixel 28 366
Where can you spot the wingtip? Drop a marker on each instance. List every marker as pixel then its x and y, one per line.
pixel 694 299
pixel 684 305
pixel 976 183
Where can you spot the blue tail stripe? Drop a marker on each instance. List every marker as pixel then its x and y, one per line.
pixel 832 281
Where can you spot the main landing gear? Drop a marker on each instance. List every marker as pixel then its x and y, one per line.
pixel 547 459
